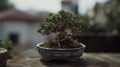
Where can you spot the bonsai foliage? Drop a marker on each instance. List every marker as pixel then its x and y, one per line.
pixel 60 23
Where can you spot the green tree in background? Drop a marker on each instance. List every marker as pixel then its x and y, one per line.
pixel 4 4
pixel 112 9
pixel 113 13
pixel 110 12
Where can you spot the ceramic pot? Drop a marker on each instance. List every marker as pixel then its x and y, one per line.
pixel 3 57
pixel 70 54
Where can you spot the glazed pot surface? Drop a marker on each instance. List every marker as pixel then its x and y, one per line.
pixel 61 53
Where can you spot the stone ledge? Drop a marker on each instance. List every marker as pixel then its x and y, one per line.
pixel 31 58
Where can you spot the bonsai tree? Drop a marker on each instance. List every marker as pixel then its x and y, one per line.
pixel 65 25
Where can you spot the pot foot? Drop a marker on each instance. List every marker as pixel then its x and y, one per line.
pixel 72 59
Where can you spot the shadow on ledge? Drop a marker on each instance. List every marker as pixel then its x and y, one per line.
pixel 82 62
pixel 64 63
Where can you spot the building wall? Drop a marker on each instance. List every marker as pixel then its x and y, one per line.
pixel 15 27
pixel 27 31
pixel 0 30
pixel 34 35
pixel 70 5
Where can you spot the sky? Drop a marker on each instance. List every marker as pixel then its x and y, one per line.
pixel 85 5
pixel 52 5
pixel 38 5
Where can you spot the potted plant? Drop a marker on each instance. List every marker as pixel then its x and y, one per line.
pixel 7 44
pixel 63 45
pixel 3 57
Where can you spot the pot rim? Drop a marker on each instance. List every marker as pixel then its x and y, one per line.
pixel 82 47
pixel 3 50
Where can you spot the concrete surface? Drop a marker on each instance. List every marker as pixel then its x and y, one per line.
pixel 31 58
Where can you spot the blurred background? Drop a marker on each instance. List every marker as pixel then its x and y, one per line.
pixel 19 21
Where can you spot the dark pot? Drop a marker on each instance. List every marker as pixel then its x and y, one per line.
pixel 70 54
pixel 3 57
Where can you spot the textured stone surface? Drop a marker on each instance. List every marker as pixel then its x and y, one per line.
pixel 31 58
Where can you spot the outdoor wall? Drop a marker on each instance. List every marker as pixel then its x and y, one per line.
pixel 0 29
pixel 100 42
pixel 27 31
pixel 16 27
pixel 34 36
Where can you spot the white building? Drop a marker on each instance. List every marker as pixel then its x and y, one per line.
pixel 20 27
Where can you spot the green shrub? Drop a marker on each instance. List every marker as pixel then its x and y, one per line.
pixel 6 44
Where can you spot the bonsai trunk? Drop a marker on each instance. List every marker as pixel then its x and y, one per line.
pixel 61 36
